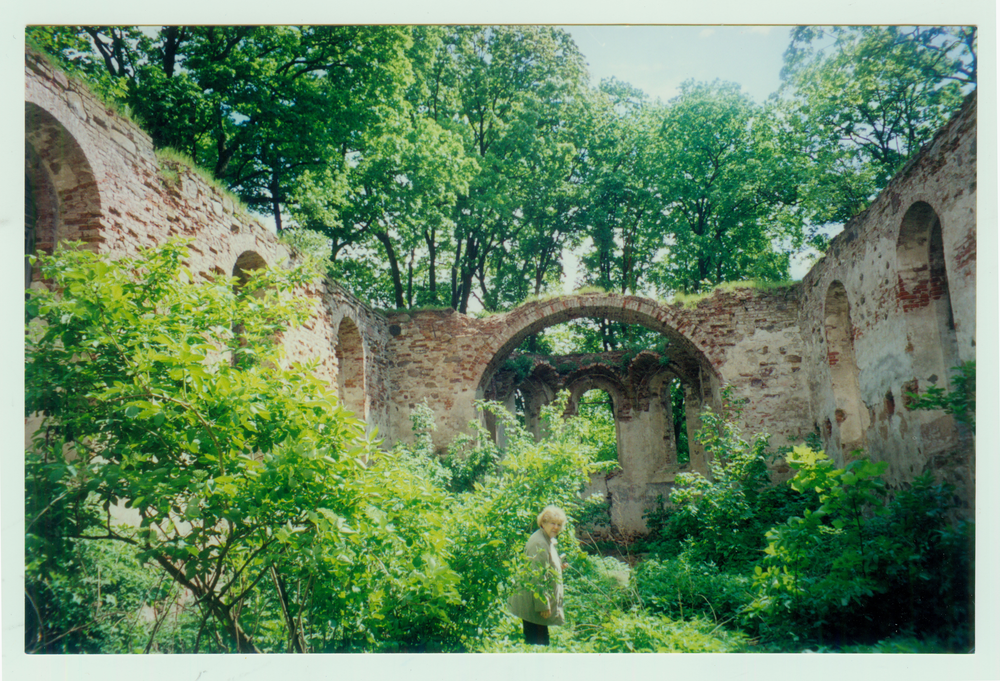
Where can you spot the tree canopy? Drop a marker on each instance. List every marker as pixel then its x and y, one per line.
pixel 458 166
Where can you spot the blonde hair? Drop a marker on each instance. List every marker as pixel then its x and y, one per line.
pixel 551 513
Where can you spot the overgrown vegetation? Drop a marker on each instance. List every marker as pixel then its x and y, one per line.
pixel 187 491
pixel 691 300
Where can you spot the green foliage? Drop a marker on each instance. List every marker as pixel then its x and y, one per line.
pixel 691 300
pixel 960 402
pixel 821 562
pixel 683 588
pixel 521 365
pixel 596 426
pixel 93 597
pixel 929 577
pixel 721 519
pixel 152 402
pixel 854 569
pixel 491 523
pixel 730 175
pixel 862 100
pixel 605 613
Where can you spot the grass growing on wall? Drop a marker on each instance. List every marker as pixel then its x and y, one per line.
pixel 691 300
pixel 170 160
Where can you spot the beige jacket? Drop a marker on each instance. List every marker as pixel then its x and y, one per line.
pixel 546 580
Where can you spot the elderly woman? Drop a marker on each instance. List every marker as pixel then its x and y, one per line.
pixel 540 604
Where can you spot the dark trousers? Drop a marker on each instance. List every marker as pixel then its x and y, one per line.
pixel 535 634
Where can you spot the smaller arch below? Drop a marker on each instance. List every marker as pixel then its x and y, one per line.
pixel 598 376
pixel 247 262
pixel 350 355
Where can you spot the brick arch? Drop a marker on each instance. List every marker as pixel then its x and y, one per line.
pixel 694 351
pixel 62 182
pixel 350 354
pixel 599 377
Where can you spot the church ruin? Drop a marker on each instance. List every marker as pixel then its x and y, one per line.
pixel 888 311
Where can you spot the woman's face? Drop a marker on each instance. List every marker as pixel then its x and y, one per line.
pixel 552 528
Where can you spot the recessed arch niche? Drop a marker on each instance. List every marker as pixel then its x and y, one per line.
pixel 850 414
pixel 925 298
pixel 350 353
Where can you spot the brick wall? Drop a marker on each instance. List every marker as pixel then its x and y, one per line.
pixel 906 266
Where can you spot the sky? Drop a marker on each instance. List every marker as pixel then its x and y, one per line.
pixel 657 59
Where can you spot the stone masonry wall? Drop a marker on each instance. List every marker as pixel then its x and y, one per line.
pixel 107 188
pixel 888 310
pixel 888 337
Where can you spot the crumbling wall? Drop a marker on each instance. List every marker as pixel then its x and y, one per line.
pixel 906 270
pixel 888 310
pixel 95 178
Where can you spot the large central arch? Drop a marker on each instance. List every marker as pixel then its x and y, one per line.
pixel 647 455
pixel 690 346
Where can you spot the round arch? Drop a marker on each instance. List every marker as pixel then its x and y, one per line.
pixel 850 413
pixel 599 377
pixel 351 374
pixel 60 185
pixel 688 343
pixel 924 296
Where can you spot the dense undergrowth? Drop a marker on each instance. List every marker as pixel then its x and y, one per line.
pixel 265 520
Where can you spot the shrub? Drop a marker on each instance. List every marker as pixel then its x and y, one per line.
pixel 682 589
pixel 722 519
pixel 855 569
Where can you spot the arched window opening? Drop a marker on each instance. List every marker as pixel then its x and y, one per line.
pixel 246 263
pixel 924 297
pixel 849 414
pixel 351 368
pixel 677 396
pixel 596 408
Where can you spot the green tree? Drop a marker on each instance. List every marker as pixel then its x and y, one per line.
pixel 728 190
pixel 622 206
pixel 862 100
pixel 235 469
pixel 257 105
pixel 514 87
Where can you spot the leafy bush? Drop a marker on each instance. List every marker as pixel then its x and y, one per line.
pixel 627 632
pixel 682 589
pixel 930 579
pixel 960 402
pixel 722 519
pixel 855 569
pixel 596 586
pixel 97 599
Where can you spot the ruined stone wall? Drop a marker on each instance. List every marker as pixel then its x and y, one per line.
pixel 749 338
pixel 96 179
pixel 911 315
pixel 888 310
